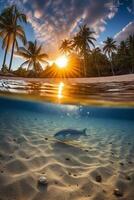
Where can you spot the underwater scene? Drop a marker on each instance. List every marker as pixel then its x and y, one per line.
pixel 64 151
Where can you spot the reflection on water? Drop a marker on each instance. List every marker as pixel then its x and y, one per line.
pixel 117 94
pixel 60 90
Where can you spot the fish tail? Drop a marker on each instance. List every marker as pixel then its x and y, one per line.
pixel 84 131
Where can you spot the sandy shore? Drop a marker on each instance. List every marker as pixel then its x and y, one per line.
pixel 121 78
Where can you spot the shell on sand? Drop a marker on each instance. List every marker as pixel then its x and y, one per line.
pixel 42 180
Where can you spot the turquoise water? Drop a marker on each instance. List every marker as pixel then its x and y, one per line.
pixel 27 129
pixel 104 125
pixel 48 118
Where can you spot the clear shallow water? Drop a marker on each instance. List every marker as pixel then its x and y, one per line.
pixel 104 125
pixel 28 148
pixel 46 118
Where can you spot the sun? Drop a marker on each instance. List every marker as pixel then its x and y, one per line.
pixel 61 61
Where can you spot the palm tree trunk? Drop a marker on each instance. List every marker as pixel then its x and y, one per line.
pixel 98 70
pixel 85 73
pixel 132 68
pixel 12 52
pixel 112 69
pixel 81 68
pixel 5 55
pixel 97 67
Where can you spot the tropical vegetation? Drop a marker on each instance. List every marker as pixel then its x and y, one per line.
pixel 11 31
pixel 33 55
pixel 85 58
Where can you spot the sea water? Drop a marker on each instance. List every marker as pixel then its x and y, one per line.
pixel 28 126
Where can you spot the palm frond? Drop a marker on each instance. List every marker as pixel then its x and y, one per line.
pixel 38 50
pixel 43 55
pixel 24 63
pixel 22 54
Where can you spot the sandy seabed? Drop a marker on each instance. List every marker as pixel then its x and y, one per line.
pixel 93 171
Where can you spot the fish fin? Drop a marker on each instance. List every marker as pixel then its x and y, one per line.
pixel 84 131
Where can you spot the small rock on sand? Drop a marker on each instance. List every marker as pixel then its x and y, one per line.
pixel 104 191
pixel 42 180
pixel 56 182
pixel 75 174
pixel 128 177
pixel 98 178
pixel 68 159
pixel 118 193
pixel 121 163
pixel 130 162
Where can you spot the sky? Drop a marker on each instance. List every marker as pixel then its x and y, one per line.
pixel 50 21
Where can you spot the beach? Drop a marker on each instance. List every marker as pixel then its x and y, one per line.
pixel 120 78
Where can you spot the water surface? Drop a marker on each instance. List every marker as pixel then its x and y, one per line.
pixel 111 94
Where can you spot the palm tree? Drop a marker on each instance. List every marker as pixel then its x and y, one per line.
pixel 10 30
pixel 97 57
pixel 5 21
pixel 65 47
pixel 109 48
pixel 33 55
pixel 123 47
pixel 82 41
pixel 121 59
pixel 130 46
pixel 18 31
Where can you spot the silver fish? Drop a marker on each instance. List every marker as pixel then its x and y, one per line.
pixel 70 134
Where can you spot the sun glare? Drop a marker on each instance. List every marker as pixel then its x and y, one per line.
pixel 62 61
pixel 60 90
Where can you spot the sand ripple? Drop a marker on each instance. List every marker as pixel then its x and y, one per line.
pixel 71 169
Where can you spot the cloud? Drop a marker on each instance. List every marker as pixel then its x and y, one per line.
pixel 38 14
pixel 125 32
pixel 130 6
pixel 53 21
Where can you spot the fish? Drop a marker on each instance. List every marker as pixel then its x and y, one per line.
pixel 70 134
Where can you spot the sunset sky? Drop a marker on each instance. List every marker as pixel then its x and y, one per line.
pixel 50 21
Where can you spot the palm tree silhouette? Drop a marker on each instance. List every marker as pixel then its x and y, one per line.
pixel 130 46
pixel 97 58
pixel 33 54
pixel 10 31
pixel 82 41
pixel 66 47
pixel 4 23
pixel 18 31
pixel 109 48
